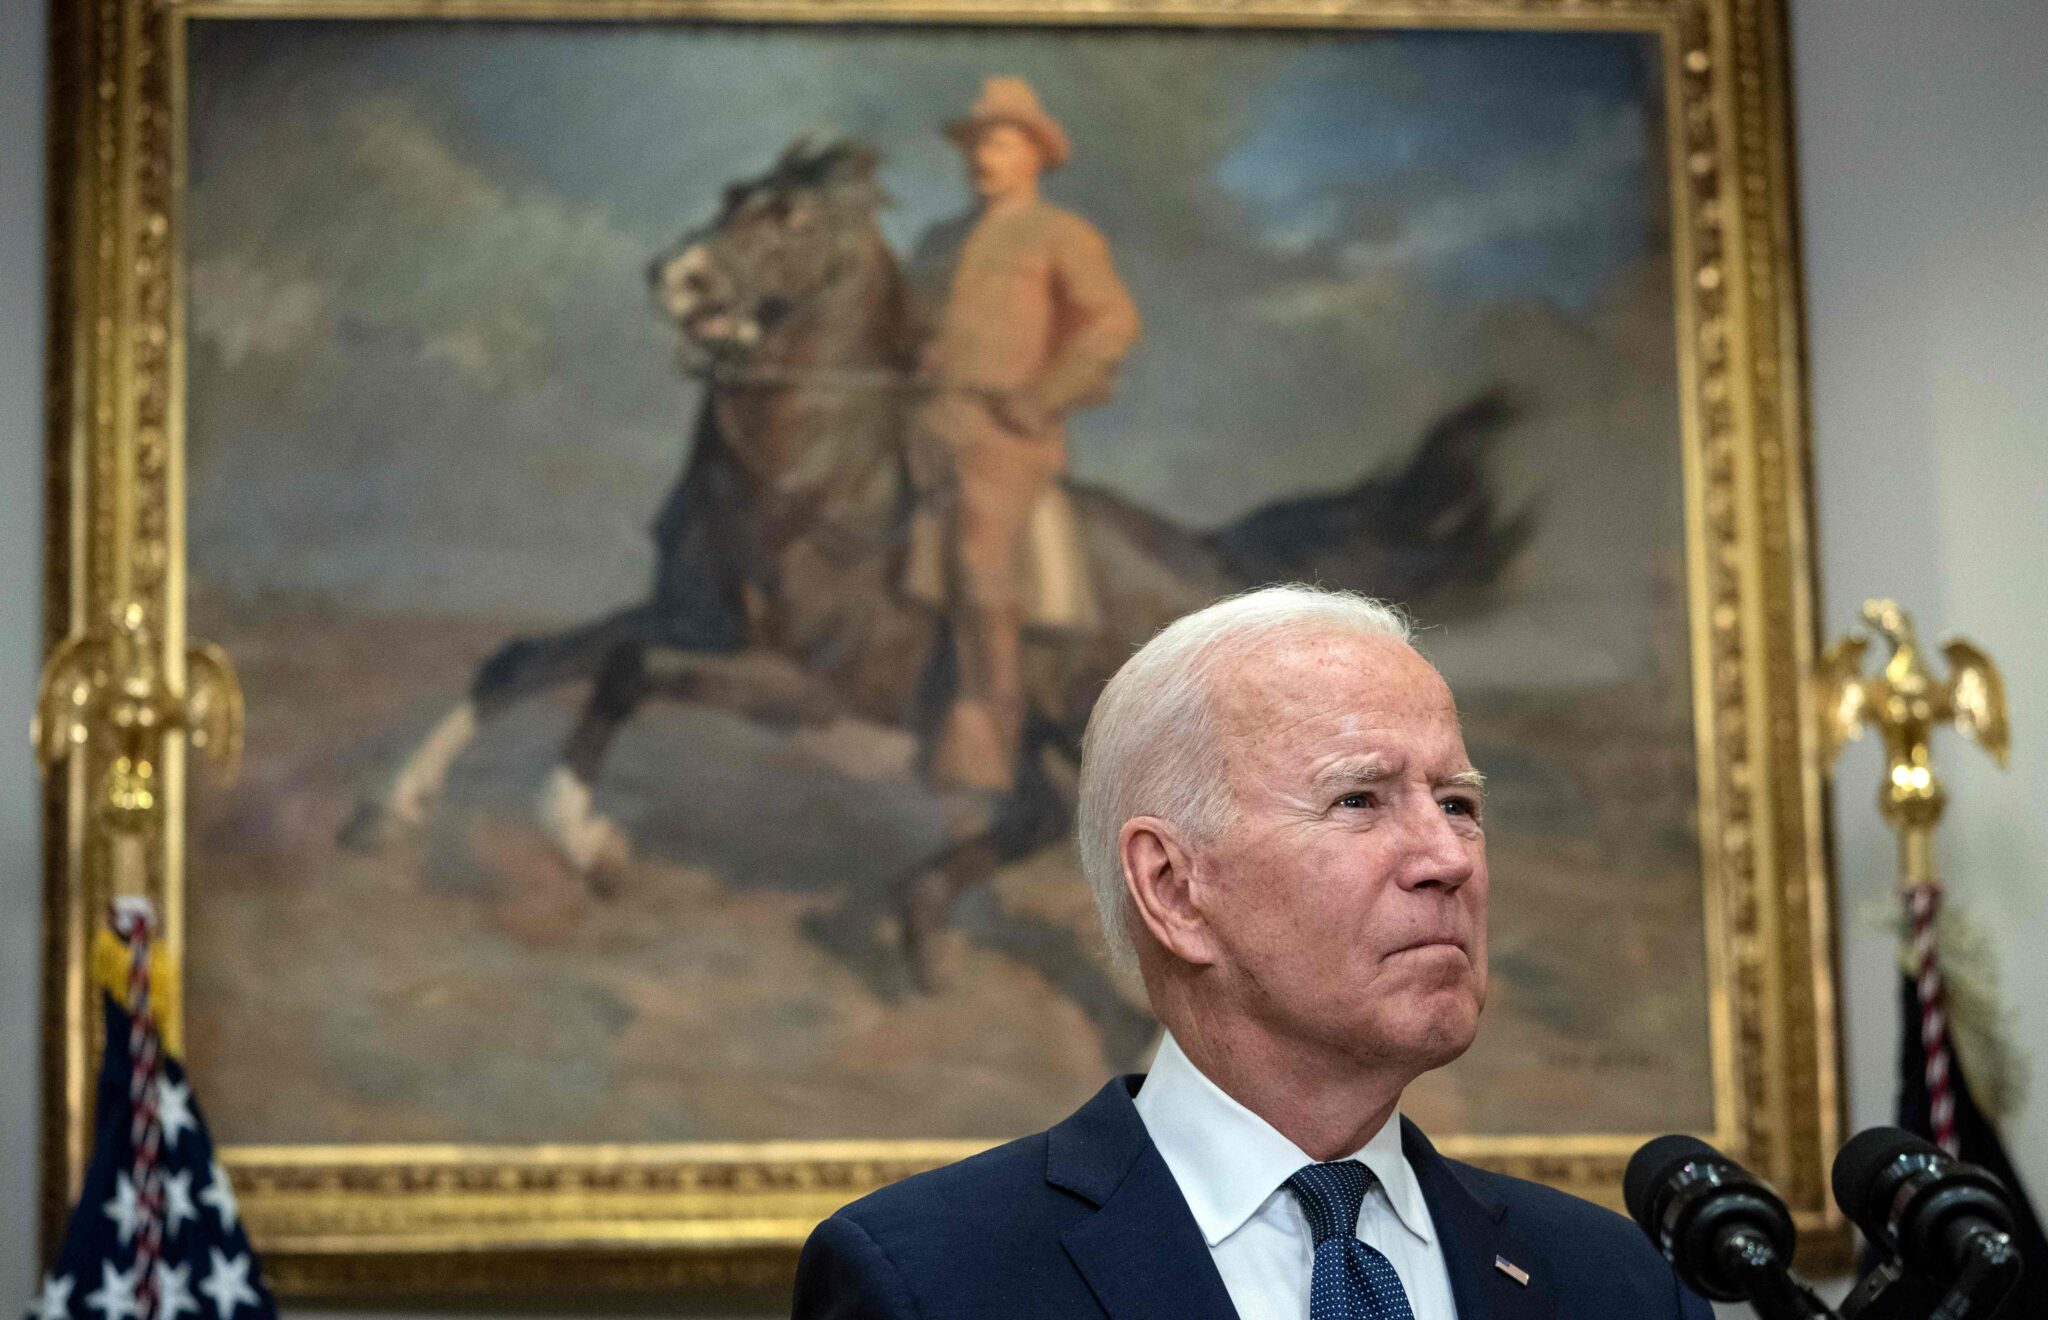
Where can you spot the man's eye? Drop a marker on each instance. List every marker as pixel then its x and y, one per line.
pixel 1460 807
pixel 1358 801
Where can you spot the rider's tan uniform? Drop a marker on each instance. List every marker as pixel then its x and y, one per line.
pixel 1033 305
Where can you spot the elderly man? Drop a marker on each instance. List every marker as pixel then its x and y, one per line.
pixel 1022 320
pixel 1283 829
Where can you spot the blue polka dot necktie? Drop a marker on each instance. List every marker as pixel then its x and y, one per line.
pixel 1352 1281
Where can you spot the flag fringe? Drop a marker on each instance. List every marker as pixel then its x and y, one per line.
pixel 1980 1029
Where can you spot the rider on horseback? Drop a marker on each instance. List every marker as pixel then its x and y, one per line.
pixel 1022 320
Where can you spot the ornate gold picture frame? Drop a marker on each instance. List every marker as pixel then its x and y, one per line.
pixel 352 1218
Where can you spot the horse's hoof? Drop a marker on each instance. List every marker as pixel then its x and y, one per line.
pixel 612 855
pixel 373 826
pixel 931 948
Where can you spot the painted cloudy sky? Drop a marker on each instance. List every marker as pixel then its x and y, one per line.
pixel 426 373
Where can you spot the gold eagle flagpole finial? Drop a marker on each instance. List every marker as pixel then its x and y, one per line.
pixel 1905 702
pixel 107 686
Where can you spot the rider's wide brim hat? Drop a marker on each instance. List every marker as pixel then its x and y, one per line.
pixel 1011 101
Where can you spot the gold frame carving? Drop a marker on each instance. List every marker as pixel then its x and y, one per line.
pixel 361 1220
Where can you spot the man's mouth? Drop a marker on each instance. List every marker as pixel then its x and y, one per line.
pixel 1434 942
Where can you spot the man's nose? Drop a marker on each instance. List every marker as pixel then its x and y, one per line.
pixel 1438 855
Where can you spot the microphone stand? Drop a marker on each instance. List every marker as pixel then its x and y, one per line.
pixel 1890 1293
pixel 1993 1268
pixel 1748 1256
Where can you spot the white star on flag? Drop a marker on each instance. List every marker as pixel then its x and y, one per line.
pixel 227 1283
pixel 126 1207
pixel 54 1301
pixel 221 1196
pixel 173 1291
pixel 116 1296
pixel 174 1111
pixel 178 1200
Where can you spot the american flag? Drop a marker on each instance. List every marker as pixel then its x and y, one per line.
pixel 156 1234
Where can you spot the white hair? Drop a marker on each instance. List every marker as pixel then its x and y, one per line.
pixel 1152 747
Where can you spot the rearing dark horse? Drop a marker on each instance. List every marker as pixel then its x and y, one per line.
pixel 779 551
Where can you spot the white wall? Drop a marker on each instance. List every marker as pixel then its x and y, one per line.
pixel 1923 148
pixel 21 608
pixel 1923 155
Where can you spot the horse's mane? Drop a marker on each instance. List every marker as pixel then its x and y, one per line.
pixel 805 167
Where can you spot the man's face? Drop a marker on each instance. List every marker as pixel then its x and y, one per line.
pixel 1002 161
pixel 1348 906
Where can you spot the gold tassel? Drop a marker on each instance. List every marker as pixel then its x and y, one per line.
pixel 110 973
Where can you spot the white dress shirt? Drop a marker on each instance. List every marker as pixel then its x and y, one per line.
pixel 1232 1166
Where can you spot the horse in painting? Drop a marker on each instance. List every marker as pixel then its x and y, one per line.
pixel 779 551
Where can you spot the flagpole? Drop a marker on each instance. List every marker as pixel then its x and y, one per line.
pixel 1906 703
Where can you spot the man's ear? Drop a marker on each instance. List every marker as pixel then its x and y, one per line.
pixel 1159 874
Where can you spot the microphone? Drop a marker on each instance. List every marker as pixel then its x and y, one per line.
pixel 1727 1235
pixel 1943 1219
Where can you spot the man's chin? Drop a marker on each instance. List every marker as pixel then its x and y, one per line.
pixel 1438 1031
pixel 1424 1033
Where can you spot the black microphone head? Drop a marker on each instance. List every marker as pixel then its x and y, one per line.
pixel 1917 1201
pixel 1858 1177
pixel 1650 1170
pixel 1711 1218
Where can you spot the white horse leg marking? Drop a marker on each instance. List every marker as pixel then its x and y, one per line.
pixel 589 842
pixel 420 780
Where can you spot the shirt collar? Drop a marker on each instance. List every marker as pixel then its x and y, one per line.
pixel 1228 1160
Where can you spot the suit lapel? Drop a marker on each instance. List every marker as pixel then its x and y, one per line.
pixel 1145 1259
pixel 1469 1230
pixel 1143 1255
pixel 1140 1252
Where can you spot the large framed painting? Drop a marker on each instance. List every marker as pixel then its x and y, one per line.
pixel 555 412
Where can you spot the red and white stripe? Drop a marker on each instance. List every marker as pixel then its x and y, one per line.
pixel 145 1132
pixel 1923 902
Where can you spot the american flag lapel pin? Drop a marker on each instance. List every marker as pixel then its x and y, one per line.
pixel 1512 1270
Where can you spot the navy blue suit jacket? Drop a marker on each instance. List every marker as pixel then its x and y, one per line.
pixel 1084 1220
